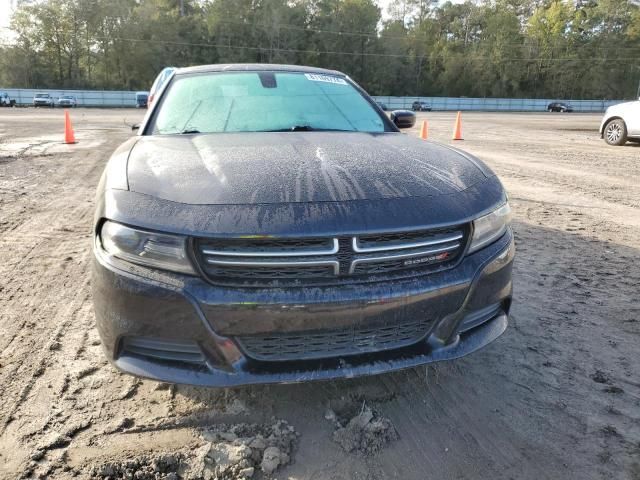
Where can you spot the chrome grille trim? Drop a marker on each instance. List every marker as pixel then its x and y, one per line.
pixel 275 253
pixel 427 243
pixel 252 263
pixel 392 256
pixel 272 261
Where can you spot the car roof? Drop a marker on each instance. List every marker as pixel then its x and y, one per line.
pixel 255 67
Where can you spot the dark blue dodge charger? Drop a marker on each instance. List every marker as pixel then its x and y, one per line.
pixel 269 223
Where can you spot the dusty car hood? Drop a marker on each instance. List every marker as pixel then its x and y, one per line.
pixel 296 167
pixel 624 108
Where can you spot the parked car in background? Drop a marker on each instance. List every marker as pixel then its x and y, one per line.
pixel 420 107
pixel 67 101
pixel 142 99
pixel 160 80
pixel 6 100
pixel 382 106
pixel 43 100
pixel 620 123
pixel 559 107
pixel 267 224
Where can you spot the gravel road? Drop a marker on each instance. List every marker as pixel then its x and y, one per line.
pixel 557 396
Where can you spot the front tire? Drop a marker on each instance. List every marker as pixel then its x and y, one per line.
pixel 615 132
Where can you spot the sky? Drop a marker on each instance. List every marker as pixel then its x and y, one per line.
pixel 383 4
pixel 6 7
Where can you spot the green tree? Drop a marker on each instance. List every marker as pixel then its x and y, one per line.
pixel 501 48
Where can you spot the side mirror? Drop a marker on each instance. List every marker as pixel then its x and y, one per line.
pixel 403 118
pixel 135 127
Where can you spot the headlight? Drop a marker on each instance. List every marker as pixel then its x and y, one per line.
pixel 490 227
pixel 150 249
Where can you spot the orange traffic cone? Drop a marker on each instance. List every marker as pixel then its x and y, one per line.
pixel 69 136
pixel 424 130
pixel 457 129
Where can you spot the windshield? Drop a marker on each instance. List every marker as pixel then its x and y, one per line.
pixel 264 101
pixel 42 95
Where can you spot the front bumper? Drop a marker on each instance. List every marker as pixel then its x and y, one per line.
pixel 135 302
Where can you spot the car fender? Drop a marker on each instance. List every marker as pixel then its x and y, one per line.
pixel 629 112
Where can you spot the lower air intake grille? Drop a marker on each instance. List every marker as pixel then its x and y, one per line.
pixel 168 350
pixel 332 343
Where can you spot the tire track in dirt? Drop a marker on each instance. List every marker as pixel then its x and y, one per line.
pixel 36 367
pixel 53 222
pixel 41 266
pixel 55 257
pixel 464 422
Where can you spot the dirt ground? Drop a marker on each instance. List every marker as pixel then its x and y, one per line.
pixel 557 396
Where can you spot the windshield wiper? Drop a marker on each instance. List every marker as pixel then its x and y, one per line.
pixel 184 127
pixel 188 131
pixel 307 128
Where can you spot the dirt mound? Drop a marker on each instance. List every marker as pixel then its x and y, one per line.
pixel 364 433
pixel 229 452
pixel 160 467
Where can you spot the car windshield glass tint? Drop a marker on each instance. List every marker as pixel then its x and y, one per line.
pixel 265 101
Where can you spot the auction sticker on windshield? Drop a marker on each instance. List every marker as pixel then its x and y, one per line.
pixel 314 77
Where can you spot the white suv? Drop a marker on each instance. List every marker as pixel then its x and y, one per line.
pixel 42 100
pixel 620 123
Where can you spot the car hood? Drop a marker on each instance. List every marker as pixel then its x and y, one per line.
pixel 624 107
pixel 296 167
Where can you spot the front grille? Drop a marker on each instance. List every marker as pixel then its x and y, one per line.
pixel 265 246
pixel 382 267
pixel 401 239
pixel 297 262
pixel 270 272
pixel 332 343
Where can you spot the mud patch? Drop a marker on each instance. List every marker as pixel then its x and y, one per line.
pixel 365 432
pixel 228 452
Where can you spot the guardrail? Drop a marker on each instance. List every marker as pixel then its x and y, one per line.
pixel 494 104
pixel 84 98
pixel 106 98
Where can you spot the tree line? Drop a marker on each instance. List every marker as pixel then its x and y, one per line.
pixel 480 48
